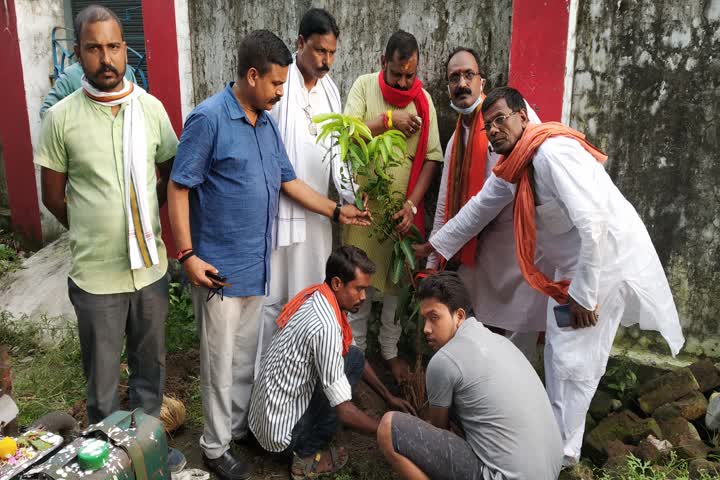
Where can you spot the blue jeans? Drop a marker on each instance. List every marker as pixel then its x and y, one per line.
pixel 317 426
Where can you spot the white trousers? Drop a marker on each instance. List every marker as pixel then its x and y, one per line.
pixel 390 331
pixel 228 331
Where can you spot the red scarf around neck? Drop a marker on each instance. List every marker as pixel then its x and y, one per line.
pixel 401 99
pixel 294 305
pixel 466 174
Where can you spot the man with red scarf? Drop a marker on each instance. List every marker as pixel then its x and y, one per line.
pixel 394 98
pixel 500 296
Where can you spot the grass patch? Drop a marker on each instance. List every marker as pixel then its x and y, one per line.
pixel 47 376
pixel 636 469
pixel 180 329
pixel 11 253
pixel 194 406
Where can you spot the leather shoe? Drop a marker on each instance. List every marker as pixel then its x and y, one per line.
pixel 227 467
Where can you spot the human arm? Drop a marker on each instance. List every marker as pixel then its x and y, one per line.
pixel 356 106
pixel 308 198
pixel 473 217
pixel 393 402
pixel 53 193
pixel 51 156
pixel 193 159
pixel 442 378
pixel 351 416
pixel 67 83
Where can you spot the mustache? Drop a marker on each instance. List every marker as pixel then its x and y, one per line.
pixel 324 68
pixel 462 91
pixel 275 100
pixel 107 68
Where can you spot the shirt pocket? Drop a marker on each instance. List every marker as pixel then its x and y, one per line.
pixel 552 217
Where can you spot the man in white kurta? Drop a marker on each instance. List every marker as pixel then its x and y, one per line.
pixel 592 236
pixel 302 239
pixel 501 298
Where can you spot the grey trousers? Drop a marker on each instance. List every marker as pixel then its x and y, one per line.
pixel 228 331
pixel 104 321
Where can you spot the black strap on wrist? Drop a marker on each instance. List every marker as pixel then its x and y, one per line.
pixel 336 213
pixel 186 256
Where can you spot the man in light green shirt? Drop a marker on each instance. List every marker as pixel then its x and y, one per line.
pixel 93 186
pixel 367 102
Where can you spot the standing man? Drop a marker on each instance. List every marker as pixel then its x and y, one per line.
pixel 99 149
pixel 394 98
pixel 223 196
pixel 606 269
pixel 303 239
pixel 305 385
pixel 491 390
pixel 501 298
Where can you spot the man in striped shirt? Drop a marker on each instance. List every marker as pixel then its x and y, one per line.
pixel 305 383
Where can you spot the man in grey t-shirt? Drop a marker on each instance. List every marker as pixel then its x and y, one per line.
pixel 491 389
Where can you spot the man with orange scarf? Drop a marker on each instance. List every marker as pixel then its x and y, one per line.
pixel 568 211
pixel 500 296
pixel 394 98
pixel 305 381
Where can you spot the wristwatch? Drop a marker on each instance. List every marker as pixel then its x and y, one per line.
pixel 412 206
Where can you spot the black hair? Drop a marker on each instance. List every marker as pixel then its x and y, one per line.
pixel 472 52
pixel 260 49
pixel 447 288
pixel 403 43
pixel 318 21
pixel 344 261
pixel 93 14
pixel 514 99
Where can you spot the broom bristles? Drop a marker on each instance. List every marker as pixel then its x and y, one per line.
pixel 172 413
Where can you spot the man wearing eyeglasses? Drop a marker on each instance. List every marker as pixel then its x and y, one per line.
pixel 501 298
pixel 568 211
pixel 302 240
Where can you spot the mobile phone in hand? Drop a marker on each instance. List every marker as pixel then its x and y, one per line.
pixel 215 277
pixel 563 318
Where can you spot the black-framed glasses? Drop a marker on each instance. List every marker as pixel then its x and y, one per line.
pixel 454 78
pixel 215 291
pixel 498 122
pixel 312 126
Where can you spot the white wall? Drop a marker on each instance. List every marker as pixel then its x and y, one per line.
pixel 182 26
pixel 35 21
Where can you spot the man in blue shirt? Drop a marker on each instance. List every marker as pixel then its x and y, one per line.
pixel 223 198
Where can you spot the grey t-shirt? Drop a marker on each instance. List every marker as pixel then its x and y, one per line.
pixel 500 402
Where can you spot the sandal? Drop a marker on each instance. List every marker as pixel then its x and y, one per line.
pixel 306 468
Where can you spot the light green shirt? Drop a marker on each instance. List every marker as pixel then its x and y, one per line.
pixel 83 140
pixel 365 100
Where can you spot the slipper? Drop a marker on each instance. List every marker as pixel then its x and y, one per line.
pixel 302 469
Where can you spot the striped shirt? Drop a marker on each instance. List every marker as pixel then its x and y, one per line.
pixel 307 350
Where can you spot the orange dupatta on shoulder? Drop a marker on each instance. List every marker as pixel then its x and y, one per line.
pixel 294 305
pixel 514 169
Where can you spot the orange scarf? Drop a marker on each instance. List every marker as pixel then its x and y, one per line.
pixel 514 169
pixel 466 175
pixel 294 305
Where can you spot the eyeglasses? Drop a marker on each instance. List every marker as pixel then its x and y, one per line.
pixel 215 290
pixel 454 79
pixel 498 122
pixel 312 126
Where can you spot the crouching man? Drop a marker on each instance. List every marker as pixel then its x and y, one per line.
pixel 490 389
pixel 305 381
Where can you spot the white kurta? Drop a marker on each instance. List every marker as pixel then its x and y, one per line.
pixel 500 295
pixel 593 236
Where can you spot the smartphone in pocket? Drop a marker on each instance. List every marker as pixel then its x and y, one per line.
pixel 562 315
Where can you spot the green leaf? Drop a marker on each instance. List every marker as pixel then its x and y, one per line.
pixel 405 296
pixel 323 117
pixel 397 270
pixel 408 251
pixel 415 235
